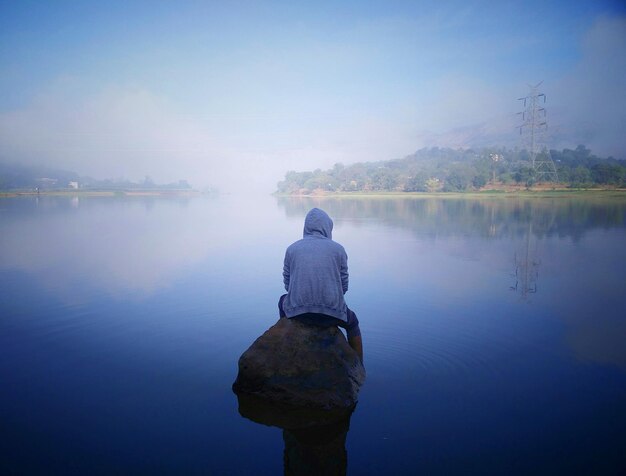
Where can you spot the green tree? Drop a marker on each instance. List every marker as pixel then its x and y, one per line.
pixel 580 176
pixel 416 183
pixel 383 179
pixel 479 180
pixel 607 174
pixel 524 175
pixel 458 179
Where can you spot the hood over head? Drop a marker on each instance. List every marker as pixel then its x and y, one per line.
pixel 317 222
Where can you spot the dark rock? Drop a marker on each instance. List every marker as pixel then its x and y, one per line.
pixel 301 365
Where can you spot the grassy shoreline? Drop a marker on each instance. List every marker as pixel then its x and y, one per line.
pixel 617 193
pixel 542 193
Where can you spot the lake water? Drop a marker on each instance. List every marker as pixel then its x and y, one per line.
pixel 494 332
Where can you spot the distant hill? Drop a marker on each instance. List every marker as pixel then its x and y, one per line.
pixel 454 170
pixel 16 176
pixel 23 177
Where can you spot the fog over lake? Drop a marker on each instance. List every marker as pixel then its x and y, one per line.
pixel 493 331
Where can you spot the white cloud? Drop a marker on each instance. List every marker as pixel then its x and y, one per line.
pixel 590 101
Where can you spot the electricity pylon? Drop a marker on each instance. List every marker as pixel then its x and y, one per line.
pixel 533 129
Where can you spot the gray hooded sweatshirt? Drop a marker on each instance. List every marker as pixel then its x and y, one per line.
pixel 315 271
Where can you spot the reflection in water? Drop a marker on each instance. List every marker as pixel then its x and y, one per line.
pixel 526 267
pixel 118 245
pixel 582 262
pixel 315 440
pixel 120 320
pixel 493 217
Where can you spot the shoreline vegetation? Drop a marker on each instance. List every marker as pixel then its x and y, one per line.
pixel 100 193
pixel 486 170
pixel 18 180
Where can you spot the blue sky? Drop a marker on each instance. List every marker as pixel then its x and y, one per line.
pixel 243 91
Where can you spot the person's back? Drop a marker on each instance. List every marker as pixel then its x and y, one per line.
pixel 315 275
pixel 315 271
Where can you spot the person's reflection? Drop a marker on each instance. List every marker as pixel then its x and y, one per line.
pixel 315 440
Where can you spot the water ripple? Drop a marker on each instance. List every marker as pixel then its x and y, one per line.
pixel 443 347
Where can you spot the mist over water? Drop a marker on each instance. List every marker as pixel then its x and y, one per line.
pixel 493 332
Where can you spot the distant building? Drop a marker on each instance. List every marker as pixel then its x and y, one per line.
pixel 73 185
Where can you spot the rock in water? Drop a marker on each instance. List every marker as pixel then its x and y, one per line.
pixel 301 365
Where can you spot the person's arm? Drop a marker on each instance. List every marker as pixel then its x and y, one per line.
pixel 356 343
pixel 344 272
pixel 286 273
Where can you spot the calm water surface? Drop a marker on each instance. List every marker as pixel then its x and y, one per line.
pixel 494 333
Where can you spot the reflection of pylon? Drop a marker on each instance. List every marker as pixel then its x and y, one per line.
pixel 533 129
pixel 526 269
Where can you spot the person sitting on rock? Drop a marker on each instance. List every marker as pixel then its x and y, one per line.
pixel 315 273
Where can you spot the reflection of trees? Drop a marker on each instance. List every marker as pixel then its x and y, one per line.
pixel 20 207
pixel 315 440
pixel 498 217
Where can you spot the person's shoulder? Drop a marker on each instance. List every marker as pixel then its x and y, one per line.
pixel 338 246
pixel 295 245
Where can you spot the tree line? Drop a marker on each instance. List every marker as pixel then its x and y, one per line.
pixel 457 170
pixel 23 177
